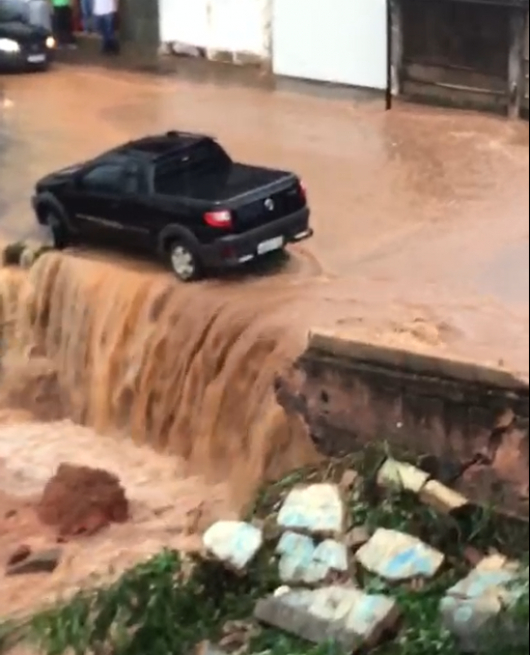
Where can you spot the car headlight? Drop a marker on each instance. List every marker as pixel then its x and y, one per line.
pixel 8 45
pixel 50 43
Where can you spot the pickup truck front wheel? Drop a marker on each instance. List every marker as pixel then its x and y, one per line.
pixel 184 262
pixel 58 230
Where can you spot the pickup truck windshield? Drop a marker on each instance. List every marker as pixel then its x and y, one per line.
pixel 204 158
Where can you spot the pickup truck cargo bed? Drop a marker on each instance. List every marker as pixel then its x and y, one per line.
pixel 223 185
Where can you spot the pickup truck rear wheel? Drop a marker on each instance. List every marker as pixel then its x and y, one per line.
pixel 184 262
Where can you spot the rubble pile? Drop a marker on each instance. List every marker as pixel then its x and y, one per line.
pixel 79 500
pixel 322 561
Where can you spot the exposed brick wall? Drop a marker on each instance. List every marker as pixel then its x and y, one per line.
pixel 481 427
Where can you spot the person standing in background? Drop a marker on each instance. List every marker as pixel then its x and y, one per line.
pixel 105 17
pixel 86 9
pixel 63 22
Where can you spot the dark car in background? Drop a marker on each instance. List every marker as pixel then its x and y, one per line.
pixel 24 45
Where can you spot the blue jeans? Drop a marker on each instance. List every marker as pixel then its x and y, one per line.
pixel 86 7
pixel 107 31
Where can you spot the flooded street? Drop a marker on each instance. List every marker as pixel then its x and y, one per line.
pixel 430 204
pixel 421 241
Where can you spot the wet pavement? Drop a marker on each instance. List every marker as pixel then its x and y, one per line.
pixel 414 207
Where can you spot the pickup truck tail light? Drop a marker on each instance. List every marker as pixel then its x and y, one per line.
pixel 218 219
pixel 303 191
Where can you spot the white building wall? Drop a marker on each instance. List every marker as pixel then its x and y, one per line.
pixel 233 26
pixel 339 41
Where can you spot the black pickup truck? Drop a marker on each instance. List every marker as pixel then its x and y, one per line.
pixel 179 195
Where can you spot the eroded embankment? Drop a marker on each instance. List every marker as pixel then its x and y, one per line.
pixel 187 371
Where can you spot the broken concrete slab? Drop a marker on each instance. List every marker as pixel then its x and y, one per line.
pixel 442 498
pixel 473 610
pixel 399 557
pixel 317 509
pixel 303 562
pixel 400 476
pixel 44 561
pixel 344 615
pixel 234 543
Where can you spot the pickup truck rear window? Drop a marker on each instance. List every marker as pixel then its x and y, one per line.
pixel 200 159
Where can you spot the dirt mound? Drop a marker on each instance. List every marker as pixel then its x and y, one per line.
pixel 81 501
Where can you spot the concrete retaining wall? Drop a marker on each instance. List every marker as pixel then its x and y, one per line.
pixel 351 394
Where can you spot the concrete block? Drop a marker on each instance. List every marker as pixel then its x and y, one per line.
pixel 399 557
pixel 346 615
pixel 442 498
pixel 473 608
pixel 304 563
pixel 317 510
pixel 233 542
pixel 401 476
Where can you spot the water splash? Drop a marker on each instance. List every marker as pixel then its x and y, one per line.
pixel 185 369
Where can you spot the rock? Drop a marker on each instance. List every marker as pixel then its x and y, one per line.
pixel 207 648
pixel 237 635
pixel 442 498
pixel 473 609
pixel 317 510
pixel 473 556
pixel 304 563
pixel 79 500
pixel 45 561
pixel 19 555
pixel 399 557
pixel 401 476
pixel 346 615
pixel 357 537
pixel 233 542
pixel 348 480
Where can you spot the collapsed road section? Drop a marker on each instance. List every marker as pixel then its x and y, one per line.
pixel 470 420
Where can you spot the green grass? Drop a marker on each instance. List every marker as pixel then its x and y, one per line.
pixel 164 606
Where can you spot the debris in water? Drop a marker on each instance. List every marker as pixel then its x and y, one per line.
pixel 44 561
pixel 81 501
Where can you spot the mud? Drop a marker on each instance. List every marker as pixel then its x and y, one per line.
pixel 81 501
pixel 421 242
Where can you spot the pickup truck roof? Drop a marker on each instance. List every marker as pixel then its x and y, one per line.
pixel 158 147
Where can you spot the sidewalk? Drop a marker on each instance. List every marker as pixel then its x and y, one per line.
pixel 147 60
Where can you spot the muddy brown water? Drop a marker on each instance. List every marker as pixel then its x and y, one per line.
pixel 421 221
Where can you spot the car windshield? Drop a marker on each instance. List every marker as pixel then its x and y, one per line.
pixel 12 10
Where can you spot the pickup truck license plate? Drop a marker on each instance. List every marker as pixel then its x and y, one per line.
pixel 270 245
pixel 36 59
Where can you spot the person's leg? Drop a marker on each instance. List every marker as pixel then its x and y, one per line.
pixel 105 31
pixel 114 34
pixel 86 15
pixel 58 25
pixel 69 26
